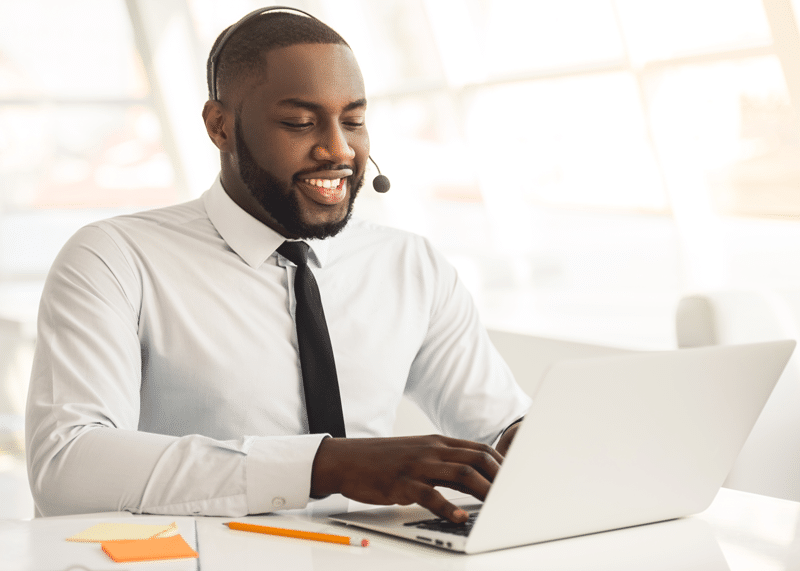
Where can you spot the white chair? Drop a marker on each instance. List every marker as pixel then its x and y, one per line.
pixel 528 356
pixel 769 463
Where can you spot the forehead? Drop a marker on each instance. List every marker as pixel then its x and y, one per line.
pixel 326 74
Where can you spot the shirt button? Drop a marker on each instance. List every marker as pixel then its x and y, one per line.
pixel 278 502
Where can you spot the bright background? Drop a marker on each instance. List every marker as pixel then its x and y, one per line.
pixel 583 163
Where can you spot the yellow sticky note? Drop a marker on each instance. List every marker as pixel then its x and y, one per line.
pixel 122 531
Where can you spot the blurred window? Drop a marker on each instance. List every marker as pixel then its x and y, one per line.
pixel 571 154
pixel 664 30
pixel 77 126
pixel 80 138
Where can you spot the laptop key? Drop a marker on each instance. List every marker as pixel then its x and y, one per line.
pixel 445 526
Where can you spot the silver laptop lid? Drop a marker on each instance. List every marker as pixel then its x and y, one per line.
pixel 617 441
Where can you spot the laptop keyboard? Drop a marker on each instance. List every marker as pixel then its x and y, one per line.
pixel 444 525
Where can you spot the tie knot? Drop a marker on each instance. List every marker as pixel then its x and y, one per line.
pixel 296 252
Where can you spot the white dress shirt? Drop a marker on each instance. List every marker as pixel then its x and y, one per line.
pixel 166 377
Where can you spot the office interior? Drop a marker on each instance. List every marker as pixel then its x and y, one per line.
pixel 620 173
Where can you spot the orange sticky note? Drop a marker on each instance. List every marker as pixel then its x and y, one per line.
pixel 123 551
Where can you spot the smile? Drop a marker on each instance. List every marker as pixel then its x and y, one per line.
pixel 323 182
pixel 327 191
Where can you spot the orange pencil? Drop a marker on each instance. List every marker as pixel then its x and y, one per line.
pixel 344 540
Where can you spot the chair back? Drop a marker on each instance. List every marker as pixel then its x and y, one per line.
pixel 528 356
pixel 769 463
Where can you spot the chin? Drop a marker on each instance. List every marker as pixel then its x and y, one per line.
pixel 315 227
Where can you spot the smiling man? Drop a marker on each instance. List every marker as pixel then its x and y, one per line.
pixel 169 373
pixel 307 128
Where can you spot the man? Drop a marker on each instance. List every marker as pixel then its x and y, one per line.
pixel 166 376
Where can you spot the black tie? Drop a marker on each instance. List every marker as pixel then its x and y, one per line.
pixel 320 383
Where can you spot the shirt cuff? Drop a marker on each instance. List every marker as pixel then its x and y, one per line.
pixel 497 440
pixel 279 472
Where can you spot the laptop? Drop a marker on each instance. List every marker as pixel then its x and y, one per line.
pixel 608 443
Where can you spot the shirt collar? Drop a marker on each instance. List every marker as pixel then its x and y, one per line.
pixel 250 238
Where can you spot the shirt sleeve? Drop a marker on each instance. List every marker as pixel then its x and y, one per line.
pixel 84 450
pixel 458 378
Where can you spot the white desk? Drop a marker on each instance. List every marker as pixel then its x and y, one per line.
pixel 738 532
pixel 41 545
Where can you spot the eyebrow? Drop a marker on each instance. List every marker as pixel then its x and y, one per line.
pixel 293 102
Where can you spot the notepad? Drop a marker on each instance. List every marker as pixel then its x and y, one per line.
pixel 123 551
pixel 124 531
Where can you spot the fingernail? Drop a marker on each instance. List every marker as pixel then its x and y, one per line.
pixel 460 514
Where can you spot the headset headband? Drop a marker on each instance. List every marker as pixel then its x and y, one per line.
pixel 212 80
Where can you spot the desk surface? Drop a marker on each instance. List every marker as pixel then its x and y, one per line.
pixel 739 531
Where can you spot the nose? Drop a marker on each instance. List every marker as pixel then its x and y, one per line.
pixel 334 147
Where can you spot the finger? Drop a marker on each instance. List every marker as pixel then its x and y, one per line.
pixel 483 462
pixel 455 443
pixel 459 477
pixel 432 500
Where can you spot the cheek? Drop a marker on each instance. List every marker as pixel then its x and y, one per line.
pixel 294 151
pixel 364 138
pixel 283 156
pixel 360 144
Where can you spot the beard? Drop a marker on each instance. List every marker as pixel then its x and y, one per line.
pixel 280 199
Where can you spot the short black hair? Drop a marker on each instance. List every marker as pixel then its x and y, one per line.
pixel 243 53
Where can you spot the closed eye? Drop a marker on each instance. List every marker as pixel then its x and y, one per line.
pixel 296 125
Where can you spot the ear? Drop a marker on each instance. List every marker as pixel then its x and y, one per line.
pixel 219 125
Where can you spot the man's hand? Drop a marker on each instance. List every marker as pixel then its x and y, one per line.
pixel 405 470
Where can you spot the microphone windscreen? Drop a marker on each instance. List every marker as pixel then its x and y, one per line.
pixel 381 183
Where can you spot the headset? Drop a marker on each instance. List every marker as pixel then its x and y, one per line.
pixel 381 182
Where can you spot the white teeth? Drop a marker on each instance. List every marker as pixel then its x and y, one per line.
pixel 324 182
